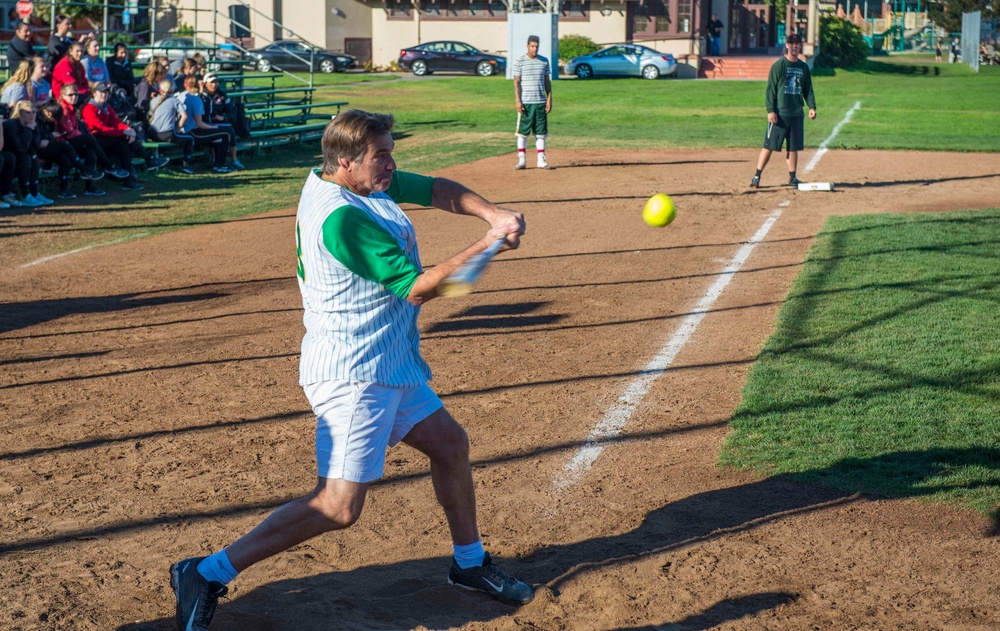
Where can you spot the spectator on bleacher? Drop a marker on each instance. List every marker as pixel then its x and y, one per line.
pixel 146 89
pixel 69 71
pixel 56 153
pixel 166 119
pixel 19 49
pixel 200 63
pixel 120 70
pixel 83 141
pixel 189 68
pixel 93 65
pixel 59 42
pixel 21 138
pixel 204 134
pixel 58 148
pixel 18 87
pixel 7 164
pixel 219 112
pixel 116 138
pixel 167 66
pixel 41 86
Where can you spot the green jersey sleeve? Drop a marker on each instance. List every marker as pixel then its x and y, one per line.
pixel 364 247
pixel 411 188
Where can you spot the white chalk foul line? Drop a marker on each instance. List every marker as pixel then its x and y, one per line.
pixel 46 259
pixel 617 417
pixel 836 130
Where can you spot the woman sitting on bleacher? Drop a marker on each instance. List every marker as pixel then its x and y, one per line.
pixel 116 138
pixel 69 71
pixel 18 87
pixel 219 112
pixel 7 163
pixel 146 89
pixel 59 154
pixel 70 130
pixel 120 70
pixel 21 138
pixel 96 69
pixel 40 85
pixel 63 154
pixel 166 115
pixel 189 68
pixel 205 135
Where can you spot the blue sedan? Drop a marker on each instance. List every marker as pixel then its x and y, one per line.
pixel 623 60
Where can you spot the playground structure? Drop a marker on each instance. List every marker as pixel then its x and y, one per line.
pixel 901 26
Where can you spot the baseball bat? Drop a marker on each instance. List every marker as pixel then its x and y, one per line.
pixel 461 280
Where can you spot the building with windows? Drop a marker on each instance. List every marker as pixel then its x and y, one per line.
pixel 376 30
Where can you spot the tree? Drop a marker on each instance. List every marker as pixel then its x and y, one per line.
pixel 948 15
pixel 841 44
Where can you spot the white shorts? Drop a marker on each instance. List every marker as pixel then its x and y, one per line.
pixel 356 421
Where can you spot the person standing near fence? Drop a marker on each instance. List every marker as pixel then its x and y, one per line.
pixel 59 42
pixel 19 49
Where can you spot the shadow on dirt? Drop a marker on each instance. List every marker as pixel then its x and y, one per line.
pixel 413 593
pixel 924 182
pixel 19 315
pixel 601 165
pixel 723 611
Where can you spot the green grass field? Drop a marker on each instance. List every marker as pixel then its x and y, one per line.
pixel 883 375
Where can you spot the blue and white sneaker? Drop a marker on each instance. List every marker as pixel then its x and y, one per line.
pixel 491 579
pixel 196 597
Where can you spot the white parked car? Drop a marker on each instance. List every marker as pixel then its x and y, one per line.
pixel 179 47
pixel 623 60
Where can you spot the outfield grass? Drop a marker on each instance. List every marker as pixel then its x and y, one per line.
pixel 949 108
pixel 883 375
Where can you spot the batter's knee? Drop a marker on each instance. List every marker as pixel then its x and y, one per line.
pixel 453 448
pixel 339 512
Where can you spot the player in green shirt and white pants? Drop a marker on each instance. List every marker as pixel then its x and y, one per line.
pixel 362 285
pixel 788 84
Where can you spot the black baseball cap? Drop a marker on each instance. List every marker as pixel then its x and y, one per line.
pixel 793 38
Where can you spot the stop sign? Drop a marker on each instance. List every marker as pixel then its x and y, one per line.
pixel 24 8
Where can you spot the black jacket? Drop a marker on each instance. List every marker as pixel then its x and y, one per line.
pixel 218 107
pixel 17 50
pixel 20 139
pixel 121 74
pixel 58 47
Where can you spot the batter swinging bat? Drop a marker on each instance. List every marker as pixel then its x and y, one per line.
pixel 461 280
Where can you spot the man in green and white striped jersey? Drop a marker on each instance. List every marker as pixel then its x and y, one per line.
pixel 362 285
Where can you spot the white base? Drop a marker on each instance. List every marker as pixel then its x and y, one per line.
pixel 816 186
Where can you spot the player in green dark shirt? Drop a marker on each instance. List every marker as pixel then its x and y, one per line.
pixel 788 84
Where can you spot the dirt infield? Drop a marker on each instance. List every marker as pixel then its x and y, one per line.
pixel 151 411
